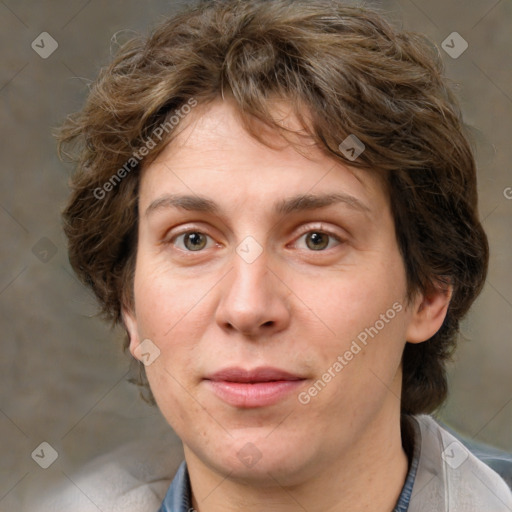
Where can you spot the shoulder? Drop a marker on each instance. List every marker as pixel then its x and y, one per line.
pixel 132 478
pixel 451 477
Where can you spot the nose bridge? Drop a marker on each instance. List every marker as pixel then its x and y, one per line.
pixel 250 275
pixel 253 301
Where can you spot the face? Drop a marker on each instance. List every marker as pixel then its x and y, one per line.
pixel 271 288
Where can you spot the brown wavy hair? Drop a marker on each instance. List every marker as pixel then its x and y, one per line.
pixel 344 70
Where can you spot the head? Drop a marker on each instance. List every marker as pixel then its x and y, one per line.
pixel 249 109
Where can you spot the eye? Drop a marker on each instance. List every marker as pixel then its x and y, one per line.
pixel 317 240
pixel 191 241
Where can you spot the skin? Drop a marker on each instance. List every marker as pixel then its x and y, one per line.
pixel 293 307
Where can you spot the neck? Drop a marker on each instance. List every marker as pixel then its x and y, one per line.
pixel 368 477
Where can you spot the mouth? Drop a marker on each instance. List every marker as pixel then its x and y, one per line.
pixel 253 388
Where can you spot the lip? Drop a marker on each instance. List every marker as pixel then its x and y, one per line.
pixel 256 375
pixel 253 388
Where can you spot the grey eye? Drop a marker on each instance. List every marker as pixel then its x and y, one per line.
pixel 194 241
pixel 316 240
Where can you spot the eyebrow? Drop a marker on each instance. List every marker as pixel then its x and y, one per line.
pixel 298 203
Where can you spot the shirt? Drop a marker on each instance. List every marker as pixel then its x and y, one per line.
pixel 136 477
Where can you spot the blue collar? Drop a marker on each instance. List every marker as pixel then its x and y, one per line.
pixel 178 497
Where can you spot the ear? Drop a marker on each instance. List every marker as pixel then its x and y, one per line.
pixel 130 322
pixel 428 313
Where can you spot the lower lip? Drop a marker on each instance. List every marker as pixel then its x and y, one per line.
pixel 245 395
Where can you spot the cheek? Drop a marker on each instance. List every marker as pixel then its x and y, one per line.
pixel 165 302
pixel 166 311
pixel 163 315
pixel 363 315
pixel 347 302
pixel 183 413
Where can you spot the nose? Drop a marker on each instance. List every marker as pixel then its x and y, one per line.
pixel 254 299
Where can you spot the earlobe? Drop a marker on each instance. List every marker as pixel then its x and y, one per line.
pixel 130 324
pixel 429 312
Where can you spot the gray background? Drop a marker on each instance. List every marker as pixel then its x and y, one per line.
pixel 63 371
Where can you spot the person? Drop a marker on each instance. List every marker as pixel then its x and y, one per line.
pixel 278 201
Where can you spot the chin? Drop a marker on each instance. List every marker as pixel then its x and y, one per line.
pixel 260 461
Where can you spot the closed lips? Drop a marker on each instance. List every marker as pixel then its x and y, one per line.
pixel 264 374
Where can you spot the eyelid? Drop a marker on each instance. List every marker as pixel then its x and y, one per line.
pixel 170 240
pixel 181 229
pixel 308 228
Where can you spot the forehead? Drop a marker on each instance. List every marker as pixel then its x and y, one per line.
pixel 212 146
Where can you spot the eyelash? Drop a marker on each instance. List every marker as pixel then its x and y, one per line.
pixel 303 231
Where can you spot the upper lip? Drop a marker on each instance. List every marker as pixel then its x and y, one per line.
pixel 262 374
